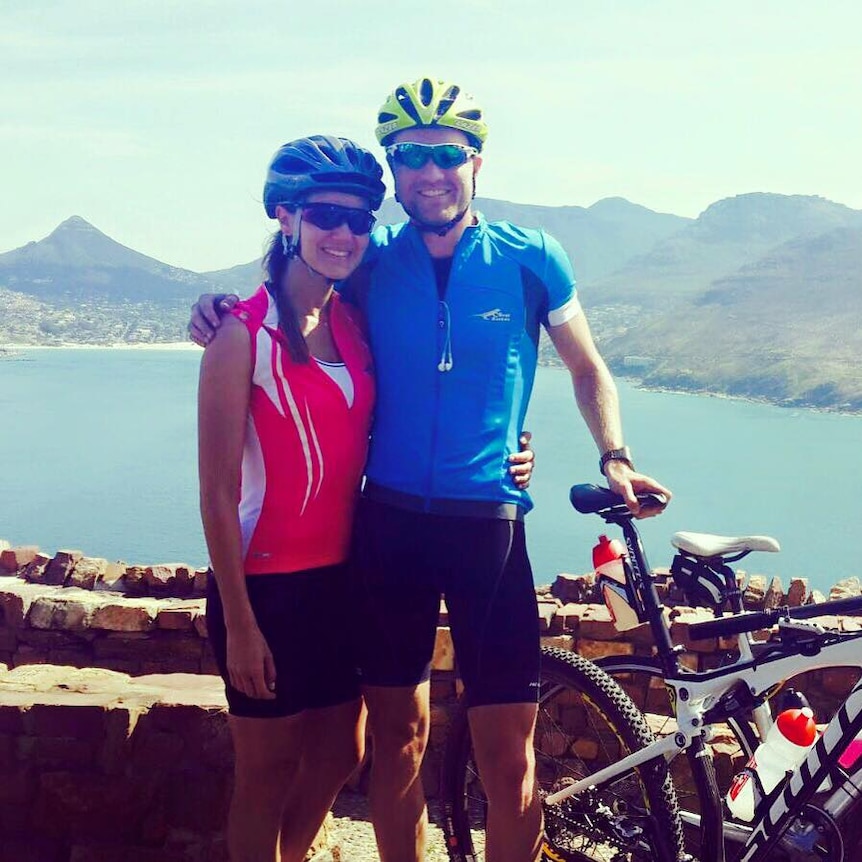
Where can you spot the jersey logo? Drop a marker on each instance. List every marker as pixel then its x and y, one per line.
pixel 495 315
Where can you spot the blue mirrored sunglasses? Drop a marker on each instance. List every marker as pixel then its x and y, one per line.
pixel 331 216
pixel 416 156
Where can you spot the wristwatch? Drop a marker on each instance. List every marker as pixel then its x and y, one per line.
pixel 622 454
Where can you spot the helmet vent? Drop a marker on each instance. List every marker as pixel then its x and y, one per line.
pixel 446 101
pixel 407 104
pixel 470 115
pixel 386 117
pixel 426 91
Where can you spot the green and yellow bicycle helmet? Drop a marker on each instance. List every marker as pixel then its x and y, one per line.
pixel 428 102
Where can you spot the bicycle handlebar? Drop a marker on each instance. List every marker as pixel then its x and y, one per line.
pixel 749 622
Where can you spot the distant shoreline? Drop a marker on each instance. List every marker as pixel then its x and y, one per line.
pixel 638 383
pixel 8 350
pixel 161 345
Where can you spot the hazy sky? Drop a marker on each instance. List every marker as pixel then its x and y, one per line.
pixel 155 120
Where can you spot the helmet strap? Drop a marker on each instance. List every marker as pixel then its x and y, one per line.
pixel 290 244
pixel 292 248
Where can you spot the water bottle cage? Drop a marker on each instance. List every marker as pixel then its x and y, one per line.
pixel 613 592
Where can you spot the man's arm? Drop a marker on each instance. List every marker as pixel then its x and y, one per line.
pixel 596 395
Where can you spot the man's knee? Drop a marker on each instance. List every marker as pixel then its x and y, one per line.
pixel 398 719
pixel 509 771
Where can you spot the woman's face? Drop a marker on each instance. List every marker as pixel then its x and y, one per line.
pixel 328 243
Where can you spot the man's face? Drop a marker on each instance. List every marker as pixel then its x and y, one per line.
pixel 431 194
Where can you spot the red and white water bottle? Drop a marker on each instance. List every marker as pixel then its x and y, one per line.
pixel 609 564
pixel 608 559
pixel 785 747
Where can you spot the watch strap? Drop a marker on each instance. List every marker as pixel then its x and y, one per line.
pixel 621 454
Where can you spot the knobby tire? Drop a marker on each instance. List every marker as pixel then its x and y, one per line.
pixel 585 722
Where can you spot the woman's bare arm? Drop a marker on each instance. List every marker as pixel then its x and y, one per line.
pixel 223 402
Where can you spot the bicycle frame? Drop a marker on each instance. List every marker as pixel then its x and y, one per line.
pixel 695 694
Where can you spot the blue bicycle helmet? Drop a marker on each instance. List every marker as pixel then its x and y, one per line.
pixel 321 163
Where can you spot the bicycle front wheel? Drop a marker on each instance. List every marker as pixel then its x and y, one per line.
pixel 585 723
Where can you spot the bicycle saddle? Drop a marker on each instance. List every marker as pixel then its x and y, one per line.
pixel 593 499
pixel 706 545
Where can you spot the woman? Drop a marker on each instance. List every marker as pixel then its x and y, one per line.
pixel 285 399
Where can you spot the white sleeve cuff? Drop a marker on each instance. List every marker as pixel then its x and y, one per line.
pixel 564 313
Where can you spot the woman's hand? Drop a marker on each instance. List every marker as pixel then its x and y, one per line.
pixel 521 469
pixel 250 665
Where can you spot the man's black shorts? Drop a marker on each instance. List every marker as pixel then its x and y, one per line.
pixel 405 560
pixel 300 615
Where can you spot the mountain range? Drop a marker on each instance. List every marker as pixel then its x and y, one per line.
pixel 760 296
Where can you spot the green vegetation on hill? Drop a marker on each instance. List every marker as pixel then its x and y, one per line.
pixel 761 296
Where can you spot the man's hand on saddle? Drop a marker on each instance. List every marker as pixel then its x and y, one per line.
pixel 628 483
pixel 206 316
pixel 521 462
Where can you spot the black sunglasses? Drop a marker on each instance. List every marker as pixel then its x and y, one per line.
pixel 331 216
pixel 416 156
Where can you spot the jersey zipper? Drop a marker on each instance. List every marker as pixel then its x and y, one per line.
pixel 442 321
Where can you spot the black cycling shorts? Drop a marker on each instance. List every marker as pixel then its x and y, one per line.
pixel 314 668
pixel 406 560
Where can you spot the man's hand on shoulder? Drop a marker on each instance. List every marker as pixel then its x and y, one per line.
pixel 628 483
pixel 206 315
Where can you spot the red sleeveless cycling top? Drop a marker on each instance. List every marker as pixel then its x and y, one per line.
pixel 305 447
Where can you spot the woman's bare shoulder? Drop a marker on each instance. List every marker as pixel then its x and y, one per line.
pixel 230 345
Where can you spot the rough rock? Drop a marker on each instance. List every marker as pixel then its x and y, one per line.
pixel 169 579
pixel 797 592
pixel 128 615
pixel 71 610
pixel 845 589
pixel 34 570
pixel 59 569
pixel 755 591
pixel 180 616
pixel 575 588
pixel 88 570
pixel 12 560
pixel 774 596
pixel 16 597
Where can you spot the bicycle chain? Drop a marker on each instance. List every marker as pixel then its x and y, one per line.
pixel 584 825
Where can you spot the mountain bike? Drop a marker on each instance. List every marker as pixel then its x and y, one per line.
pixel 606 774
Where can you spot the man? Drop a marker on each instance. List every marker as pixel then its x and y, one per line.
pixel 454 306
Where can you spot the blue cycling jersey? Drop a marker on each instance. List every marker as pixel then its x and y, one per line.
pixel 454 375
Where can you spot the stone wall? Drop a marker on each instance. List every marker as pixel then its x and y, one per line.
pixel 97 766
pixel 130 758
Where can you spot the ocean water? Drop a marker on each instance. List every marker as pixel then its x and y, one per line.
pixel 97 452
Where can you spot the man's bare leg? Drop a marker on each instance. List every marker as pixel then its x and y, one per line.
pixel 398 720
pixel 503 745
